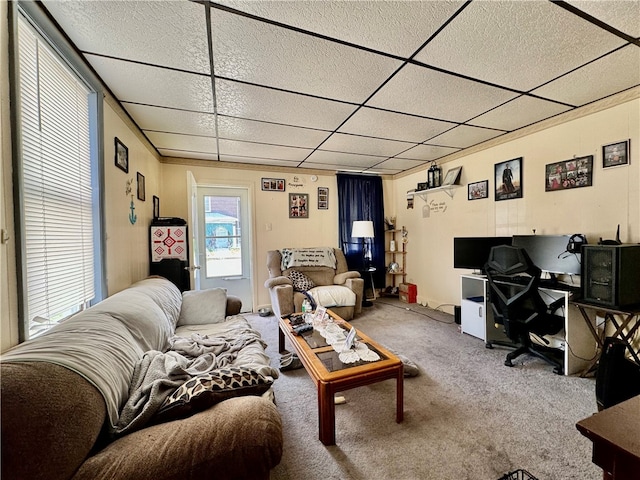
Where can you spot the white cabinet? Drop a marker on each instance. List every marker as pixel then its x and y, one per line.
pixel 473 306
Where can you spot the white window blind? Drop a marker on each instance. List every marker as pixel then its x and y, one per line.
pixel 56 184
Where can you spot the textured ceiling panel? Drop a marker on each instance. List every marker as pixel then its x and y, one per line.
pixel 425 92
pixel 398 164
pixel 181 154
pixel 258 161
pixel 247 101
pixel 519 113
pixel 364 145
pixel 517 44
pixel 383 124
pixel 464 136
pixel 132 82
pixel 249 130
pixel 398 28
pixel 173 34
pixel 348 160
pixel 622 15
pixel 614 73
pixel 246 149
pixel 171 120
pixel 257 52
pixel 428 152
pixel 187 143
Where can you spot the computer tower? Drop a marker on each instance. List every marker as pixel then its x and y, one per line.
pixel 617 378
pixel 611 275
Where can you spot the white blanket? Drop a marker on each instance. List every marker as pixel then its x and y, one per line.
pixel 307 257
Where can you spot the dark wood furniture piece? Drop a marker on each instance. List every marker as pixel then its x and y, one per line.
pixel 615 433
pixel 331 375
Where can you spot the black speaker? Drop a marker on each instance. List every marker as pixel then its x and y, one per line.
pixel 611 275
pixel 457 314
pixel 617 378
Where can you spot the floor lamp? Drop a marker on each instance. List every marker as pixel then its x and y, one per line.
pixel 364 229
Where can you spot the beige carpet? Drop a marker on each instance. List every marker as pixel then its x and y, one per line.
pixel 467 416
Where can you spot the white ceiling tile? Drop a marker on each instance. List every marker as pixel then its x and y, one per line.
pixel 613 73
pixel 258 161
pixel 399 164
pixel 248 130
pixel 623 15
pixel 170 33
pixel 340 142
pixel 425 92
pixel 325 166
pixel 256 52
pixel 371 24
pixel 517 44
pixel 187 154
pixel 170 120
pixel 131 82
pixel 261 150
pixel 465 136
pixel 428 152
pixel 187 143
pixel 248 101
pixel 345 159
pixel 379 123
pixel 519 113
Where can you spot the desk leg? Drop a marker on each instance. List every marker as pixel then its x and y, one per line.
pixel 400 395
pixel 326 414
pixel 280 340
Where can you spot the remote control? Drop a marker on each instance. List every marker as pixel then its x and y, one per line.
pixel 300 329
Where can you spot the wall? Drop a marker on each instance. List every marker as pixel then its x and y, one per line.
pixel 595 211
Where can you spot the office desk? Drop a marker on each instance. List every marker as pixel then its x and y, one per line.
pixel 625 322
pixel 616 439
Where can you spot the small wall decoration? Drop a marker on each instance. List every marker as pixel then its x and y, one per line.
pixel 122 156
pixel 298 205
pixel 141 195
pixel 478 190
pixel 273 184
pixel 508 177
pixel 323 198
pixel 156 207
pixel 574 173
pixel 451 177
pixel 615 154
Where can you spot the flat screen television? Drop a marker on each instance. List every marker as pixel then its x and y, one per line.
pixel 549 253
pixel 473 252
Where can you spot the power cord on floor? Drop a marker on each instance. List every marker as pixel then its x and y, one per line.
pixel 416 311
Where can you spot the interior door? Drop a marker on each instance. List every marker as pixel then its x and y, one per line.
pixel 194 247
pixel 224 240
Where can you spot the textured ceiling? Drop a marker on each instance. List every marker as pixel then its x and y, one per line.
pixel 364 86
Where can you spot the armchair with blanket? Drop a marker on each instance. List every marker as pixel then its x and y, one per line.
pixel 320 274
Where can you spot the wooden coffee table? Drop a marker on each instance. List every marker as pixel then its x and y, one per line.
pixel 330 375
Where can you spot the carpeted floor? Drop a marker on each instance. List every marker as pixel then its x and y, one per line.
pixel 467 416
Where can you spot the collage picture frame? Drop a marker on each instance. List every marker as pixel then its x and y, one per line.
pixel 273 184
pixel 323 198
pixel 298 205
pixel 567 174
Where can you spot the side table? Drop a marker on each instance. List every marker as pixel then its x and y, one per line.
pixel 370 271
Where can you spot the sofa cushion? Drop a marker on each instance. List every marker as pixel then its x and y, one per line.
pixel 207 389
pixel 203 306
pixel 300 281
pixel 333 296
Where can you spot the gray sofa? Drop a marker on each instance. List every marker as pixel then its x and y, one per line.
pixel 63 392
pixel 285 299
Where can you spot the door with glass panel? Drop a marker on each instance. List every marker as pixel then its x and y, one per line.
pixel 225 242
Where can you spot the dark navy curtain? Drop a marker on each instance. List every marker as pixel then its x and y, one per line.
pixel 360 198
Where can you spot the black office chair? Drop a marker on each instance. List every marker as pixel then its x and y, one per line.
pixel 517 305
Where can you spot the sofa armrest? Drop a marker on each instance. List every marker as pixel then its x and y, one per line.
pixel 272 282
pixel 341 278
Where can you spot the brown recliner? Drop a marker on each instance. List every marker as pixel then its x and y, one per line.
pixel 285 300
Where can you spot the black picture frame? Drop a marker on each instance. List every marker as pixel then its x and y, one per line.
pixel 141 187
pixel 273 184
pixel 478 190
pixel 323 198
pixel 615 154
pixel 568 174
pixel 298 205
pixel 508 178
pixel 121 155
pixel 156 207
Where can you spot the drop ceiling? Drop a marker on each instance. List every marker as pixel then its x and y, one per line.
pixel 360 86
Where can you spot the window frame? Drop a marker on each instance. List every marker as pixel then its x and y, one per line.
pixel 37 17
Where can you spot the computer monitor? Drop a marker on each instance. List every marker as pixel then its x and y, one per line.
pixel 549 253
pixel 473 252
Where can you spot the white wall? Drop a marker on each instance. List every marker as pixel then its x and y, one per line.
pixel 595 211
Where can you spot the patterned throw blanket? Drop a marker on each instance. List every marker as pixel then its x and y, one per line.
pixel 307 257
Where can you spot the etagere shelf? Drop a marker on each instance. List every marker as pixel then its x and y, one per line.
pixel 397 255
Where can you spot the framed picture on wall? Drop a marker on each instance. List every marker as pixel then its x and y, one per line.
pixel 323 198
pixel 298 205
pixel 141 194
pixel 273 184
pixel 615 154
pixel 156 207
pixel 573 173
pixel 478 190
pixel 508 178
pixel 122 156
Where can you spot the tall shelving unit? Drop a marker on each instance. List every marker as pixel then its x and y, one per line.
pixel 399 256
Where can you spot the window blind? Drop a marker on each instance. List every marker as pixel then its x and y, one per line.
pixel 56 185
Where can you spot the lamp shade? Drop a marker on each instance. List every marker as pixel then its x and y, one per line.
pixel 362 229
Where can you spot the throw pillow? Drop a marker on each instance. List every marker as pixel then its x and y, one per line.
pixel 203 306
pixel 300 281
pixel 207 389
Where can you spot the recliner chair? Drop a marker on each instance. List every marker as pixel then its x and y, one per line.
pixel 517 305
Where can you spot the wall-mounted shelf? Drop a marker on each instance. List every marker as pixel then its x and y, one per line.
pixel 448 189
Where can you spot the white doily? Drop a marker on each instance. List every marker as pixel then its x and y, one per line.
pixel 352 355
